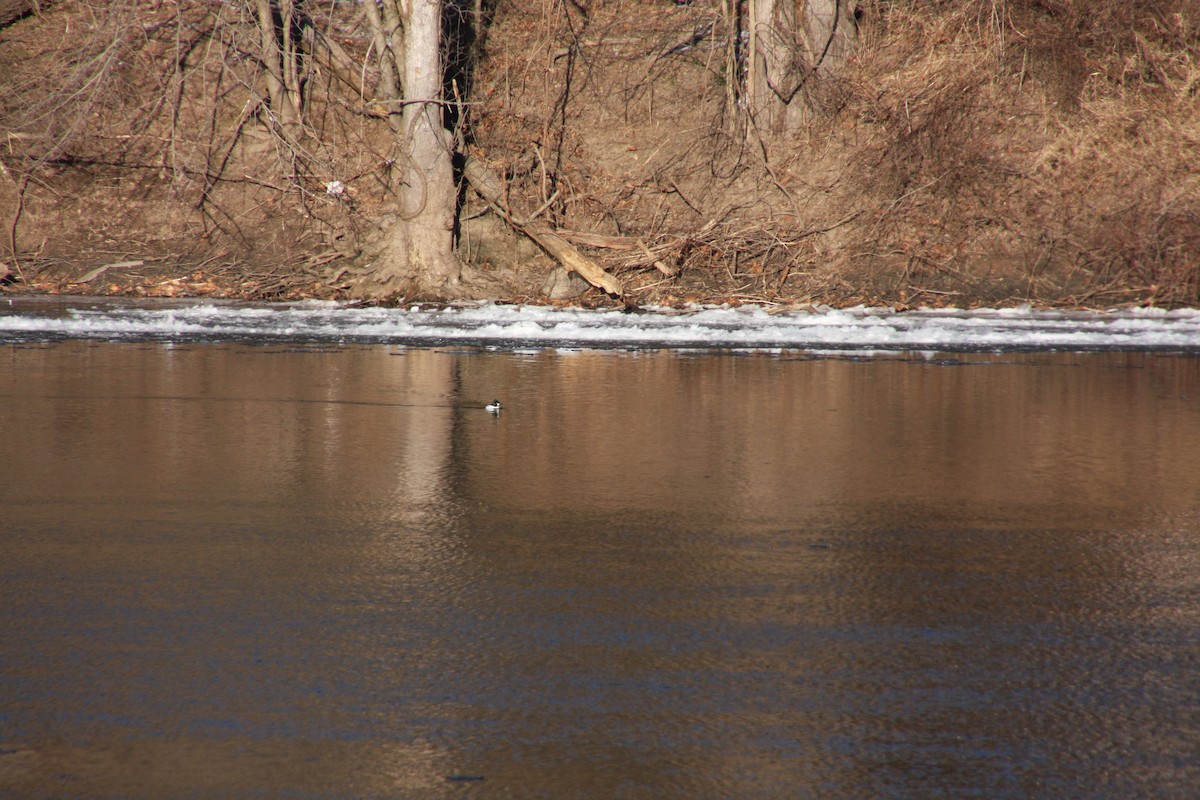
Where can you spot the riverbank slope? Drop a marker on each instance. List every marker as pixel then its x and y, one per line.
pixel 969 153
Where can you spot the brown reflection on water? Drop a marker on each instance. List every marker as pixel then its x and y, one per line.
pixel 745 437
pixel 238 569
pixel 888 443
pixel 255 425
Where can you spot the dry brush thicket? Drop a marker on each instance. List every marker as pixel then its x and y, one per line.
pixel 171 129
pixel 975 151
pixel 1060 137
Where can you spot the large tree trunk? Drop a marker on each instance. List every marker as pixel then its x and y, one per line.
pixel 283 90
pixel 417 257
pixel 775 78
pixel 831 34
pixel 792 44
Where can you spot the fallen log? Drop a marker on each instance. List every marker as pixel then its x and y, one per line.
pixel 488 186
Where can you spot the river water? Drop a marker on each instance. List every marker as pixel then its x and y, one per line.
pixel 285 569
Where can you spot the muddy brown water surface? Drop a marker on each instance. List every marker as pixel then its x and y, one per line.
pixel 230 570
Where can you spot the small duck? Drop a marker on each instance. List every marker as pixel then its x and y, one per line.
pixel 494 407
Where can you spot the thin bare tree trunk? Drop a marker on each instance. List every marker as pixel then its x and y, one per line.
pixel 393 22
pixel 283 106
pixel 388 89
pixel 731 10
pixel 293 77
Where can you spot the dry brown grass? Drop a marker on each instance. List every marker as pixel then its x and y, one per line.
pixel 1031 150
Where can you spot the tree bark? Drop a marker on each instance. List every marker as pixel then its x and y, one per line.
pixel 418 256
pixel 775 77
pixel 831 34
pixel 793 42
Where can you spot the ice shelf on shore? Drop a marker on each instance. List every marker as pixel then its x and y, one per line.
pixel 491 324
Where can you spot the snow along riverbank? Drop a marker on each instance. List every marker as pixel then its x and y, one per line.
pixel 25 319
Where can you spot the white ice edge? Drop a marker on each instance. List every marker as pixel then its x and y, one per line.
pixel 859 328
